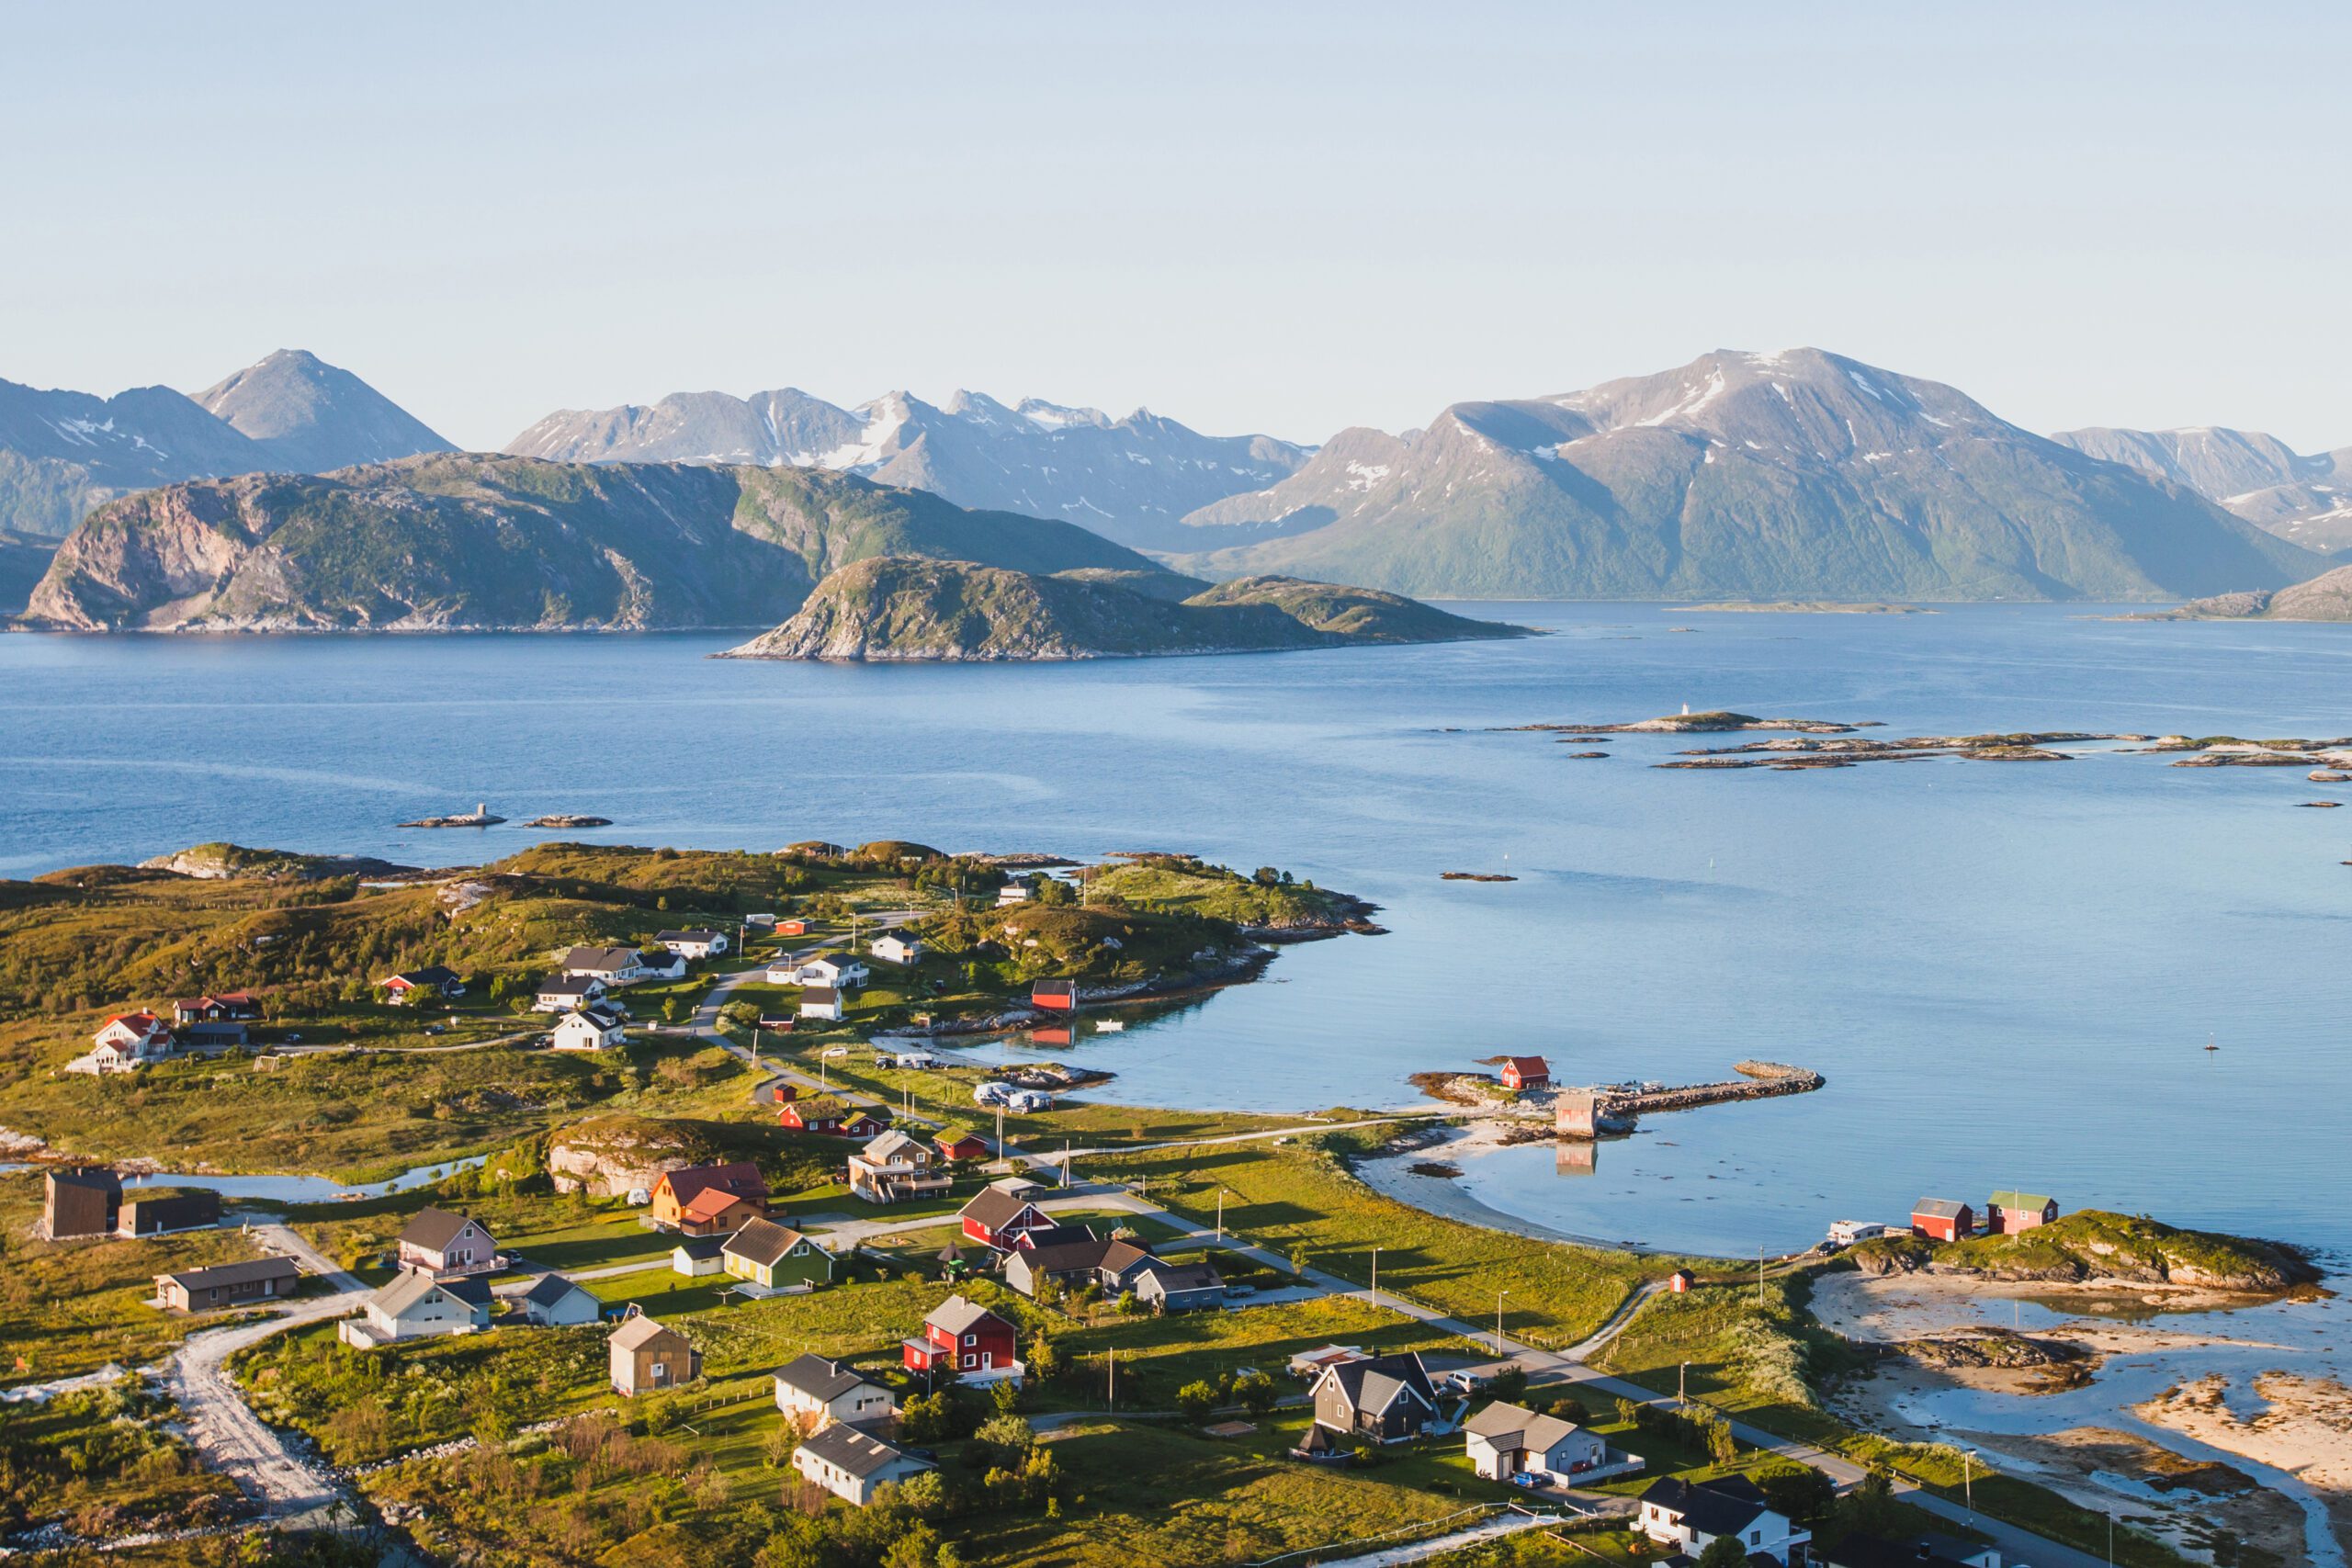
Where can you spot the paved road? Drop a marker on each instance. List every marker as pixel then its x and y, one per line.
pixel 1436 1546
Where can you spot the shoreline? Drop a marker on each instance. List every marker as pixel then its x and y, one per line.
pixel 1391 1175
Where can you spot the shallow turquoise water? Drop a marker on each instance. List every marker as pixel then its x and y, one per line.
pixel 2008 972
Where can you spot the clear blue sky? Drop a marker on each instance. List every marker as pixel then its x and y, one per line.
pixel 1288 218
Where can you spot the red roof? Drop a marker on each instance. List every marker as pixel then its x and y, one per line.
pixel 711 1203
pixel 1528 1067
pixel 740 1177
pixel 145 1023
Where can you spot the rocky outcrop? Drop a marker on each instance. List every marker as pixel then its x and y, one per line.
pixel 611 1156
pixel 2095 1247
pixel 222 860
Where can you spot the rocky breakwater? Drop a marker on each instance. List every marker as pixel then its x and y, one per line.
pixel 1588 1113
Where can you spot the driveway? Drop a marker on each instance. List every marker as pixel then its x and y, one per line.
pixel 226 1432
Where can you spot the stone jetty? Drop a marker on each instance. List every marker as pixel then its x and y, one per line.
pixel 1593 1112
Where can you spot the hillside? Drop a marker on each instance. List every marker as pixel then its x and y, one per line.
pixel 899 608
pixel 2094 1245
pixel 1130 479
pixel 2251 474
pixel 308 416
pixel 1794 475
pixel 2327 597
pixel 24 559
pixel 62 453
pixel 469 542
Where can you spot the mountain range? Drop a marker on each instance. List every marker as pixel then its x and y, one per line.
pixel 469 542
pixel 1131 479
pixel 1800 473
pixel 1796 475
pixel 62 453
pixel 2251 474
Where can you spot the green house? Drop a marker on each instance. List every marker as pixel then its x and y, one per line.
pixel 776 1256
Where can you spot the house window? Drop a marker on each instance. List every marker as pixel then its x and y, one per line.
pixel 1755 1537
pixel 971 1339
pixel 971 1360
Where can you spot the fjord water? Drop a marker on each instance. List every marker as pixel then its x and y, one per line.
pixel 2008 971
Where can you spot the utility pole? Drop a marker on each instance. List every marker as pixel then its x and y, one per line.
pixel 1499 1322
pixel 1376 1276
pixel 1112 1400
pixel 1968 1481
pixel 1220 1216
pixel 1681 1383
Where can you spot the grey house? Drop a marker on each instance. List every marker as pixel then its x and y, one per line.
pixel 1386 1398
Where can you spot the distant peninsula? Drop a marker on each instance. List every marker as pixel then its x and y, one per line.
pixel 904 608
pixel 2327 597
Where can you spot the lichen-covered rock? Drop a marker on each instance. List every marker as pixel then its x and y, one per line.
pixel 611 1156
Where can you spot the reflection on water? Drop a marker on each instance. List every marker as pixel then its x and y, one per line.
pixel 1575 1157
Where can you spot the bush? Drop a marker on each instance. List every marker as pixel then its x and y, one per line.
pixel 1197 1400
pixel 1257 1393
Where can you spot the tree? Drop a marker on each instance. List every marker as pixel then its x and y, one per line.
pixel 1571 1408
pixel 1006 1439
pixel 924 1418
pixel 672 1009
pixel 1256 1392
pixel 1508 1385
pixel 1628 1413
pixel 1045 1359
pixel 1197 1400
pixel 1129 1306
pixel 1803 1494
pixel 1723 1552
pixel 1722 1447
pixel 1006 1396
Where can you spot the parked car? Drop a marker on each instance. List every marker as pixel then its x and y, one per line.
pixel 1531 1478
pixel 1463 1381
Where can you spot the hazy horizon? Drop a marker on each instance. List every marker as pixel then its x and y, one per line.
pixel 1286 223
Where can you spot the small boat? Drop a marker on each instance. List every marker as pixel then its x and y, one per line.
pixel 2210 1045
pixel 1108 1026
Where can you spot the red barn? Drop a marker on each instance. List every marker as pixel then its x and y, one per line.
pixel 967 1339
pixel 957 1144
pixel 1054 995
pixel 792 928
pixel 1526 1072
pixel 995 1217
pixel 1941 1219
pixel 1680 1280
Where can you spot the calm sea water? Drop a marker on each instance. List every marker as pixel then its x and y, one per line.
pixel 2008 972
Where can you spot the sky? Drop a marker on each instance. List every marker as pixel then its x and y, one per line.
pixel 1288 218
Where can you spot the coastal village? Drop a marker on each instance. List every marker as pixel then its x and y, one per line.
pixel 797 1277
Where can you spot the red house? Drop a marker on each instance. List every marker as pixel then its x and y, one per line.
pixel 1680 1280
pixel 1941 1219
pixel 228 1005
pixel 995 1217
pixel 1526 1072
pixel 1054 995
pixel 967 1339
pixel 955 1142
pixel 792 928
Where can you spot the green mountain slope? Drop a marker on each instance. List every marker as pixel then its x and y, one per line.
pixel 903 608
pixel 1796 475
pixel 466 542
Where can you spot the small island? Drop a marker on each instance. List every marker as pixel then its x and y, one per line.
pixel 480 816
pixel 911 609
pixel 566 819
pixel 2327 597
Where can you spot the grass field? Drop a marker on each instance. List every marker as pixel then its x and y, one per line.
pixel 1290 1197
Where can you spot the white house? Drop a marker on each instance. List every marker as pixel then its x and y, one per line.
pixel 696 943
pixel 698 1255
pixel 613 965
pixel 829 1391
pixel 821 1001
pixel 1505 1440
pixel 1691 1515
pixel 660 964
pixel 414 1305
pixel 590 1029
pixel 562 993
pixel 555 1302
pixel 1012 893
pixel 853 1465
pixel 838 970
pixel 127 1042
pixel 891 947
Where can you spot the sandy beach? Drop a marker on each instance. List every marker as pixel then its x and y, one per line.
pixel 2198 1417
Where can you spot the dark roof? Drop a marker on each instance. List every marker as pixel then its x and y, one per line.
pixel 434 1229
pixel 603 1018
pixel 1712 1507
pixel 701 1245
pixel 1063 1258
pixel 994 1207
pixel 471 1289
pixel 569 984
pixel 1940 1208
pixel 97 1177
pixel 1861 1551
pixel 763 1241
pixel 818 1378
pixel 548 1290
pixel 1374 1382
pixel 1053 988
pixel 819 995
pixel 431 974
pixel 194 1280
pixel 860 1453
pixel 1177 1278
